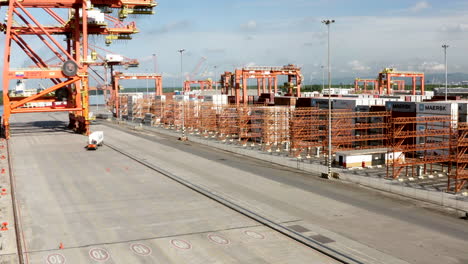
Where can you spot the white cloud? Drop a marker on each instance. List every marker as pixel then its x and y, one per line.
pixel 421 5
pixel 432 66
pixel 404 42
pixel 249 26
pixel 358 66
pixel 170 75
pixel 172 26
pixel 455 28
pixel 207 74
pixel 215 50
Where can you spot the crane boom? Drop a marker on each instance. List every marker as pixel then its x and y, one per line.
pixel 196 70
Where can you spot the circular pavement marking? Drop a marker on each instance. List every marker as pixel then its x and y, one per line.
pixel 181 244
pixel 254 234
pixel 218 239
pixel 99 254
pixel 56 259
pixel 140 249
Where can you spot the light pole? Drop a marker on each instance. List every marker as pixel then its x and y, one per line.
pixel 323 78
pixel 147 91
pixel 97 100
pixel 215 78
pixel 155 63
pixel 328 22
pixel 445 46
pixel 181 51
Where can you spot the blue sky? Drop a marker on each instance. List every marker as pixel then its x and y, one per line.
pixel 368 35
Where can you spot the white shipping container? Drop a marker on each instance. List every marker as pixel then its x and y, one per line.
pixel 367 101
pixel 114 58
pixel 454 119
pixel 356 159
pixel 134 95
pixel 160 97
pixel 95 16
pixel 309 94
pixel 181 97
pixel 437 108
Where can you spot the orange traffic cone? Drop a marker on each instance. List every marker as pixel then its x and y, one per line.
pixel 3 192
pixel 61 245
pixel 4 226
pixel 3 170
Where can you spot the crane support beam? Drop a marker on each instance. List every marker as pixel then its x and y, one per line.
pixel 79 3
pixel 240 78
pixel 385 81
pixel 69 73
pixel 114 102
pixel 204 85
pixel 44 92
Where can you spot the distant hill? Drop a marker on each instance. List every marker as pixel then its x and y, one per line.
pixel 436 78
pixel 452 77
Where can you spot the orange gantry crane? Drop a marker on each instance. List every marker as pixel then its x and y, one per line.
pixel 365 82
pixel 385 80
pixel 70 77
pixel 108 62
pixel 375 84
pixel 234 82
pixel 204 85
pixel 227 83
pixel 399 83
pixel 191 75
pixel 117 76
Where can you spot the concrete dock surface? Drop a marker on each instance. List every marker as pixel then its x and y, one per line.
pixel 104 207
pixel 101 206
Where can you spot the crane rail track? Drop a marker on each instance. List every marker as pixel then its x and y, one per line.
pixel 309 242
pixel 16 213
